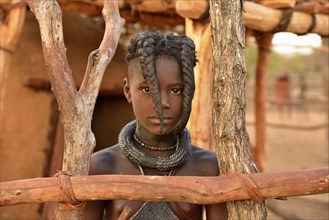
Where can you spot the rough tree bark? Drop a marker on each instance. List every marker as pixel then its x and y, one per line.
pixel 229 101
pixel 76 106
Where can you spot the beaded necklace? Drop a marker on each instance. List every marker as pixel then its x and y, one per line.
pixel 140 158
pixel 156 148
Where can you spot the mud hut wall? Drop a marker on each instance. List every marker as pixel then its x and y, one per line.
pixel 27 131
pixel 26 123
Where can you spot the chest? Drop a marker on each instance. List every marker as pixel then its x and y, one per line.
pixel 181 210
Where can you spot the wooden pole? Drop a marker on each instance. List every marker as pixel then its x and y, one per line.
pixel 256 16
pixel 264 19
pixel 200 119
pixel 264 42
pixel 76 106
pixel 191 189
pixel 278 3
pixel 192 9
pixel 229 100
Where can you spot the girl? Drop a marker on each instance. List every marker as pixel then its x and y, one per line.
pixel 160 88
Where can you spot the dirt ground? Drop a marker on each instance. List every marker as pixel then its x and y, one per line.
pixel 293 150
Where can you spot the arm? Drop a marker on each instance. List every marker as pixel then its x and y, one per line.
pixel 216 211
pixel 95 209
pixel 213 211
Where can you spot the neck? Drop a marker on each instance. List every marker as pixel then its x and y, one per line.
pixel 168 162
pixel 158 141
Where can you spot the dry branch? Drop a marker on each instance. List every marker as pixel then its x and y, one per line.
pixel 199 190
pixel 76 106
pixel 49 16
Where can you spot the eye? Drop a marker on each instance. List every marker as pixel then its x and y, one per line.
pixel 176 91
pixel 146 90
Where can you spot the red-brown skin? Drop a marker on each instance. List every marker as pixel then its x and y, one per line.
pixel 112 161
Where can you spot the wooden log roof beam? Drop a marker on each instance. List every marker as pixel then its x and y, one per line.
pixel 278 3
pixel 152 19
pixel 304 17
pixel 264 19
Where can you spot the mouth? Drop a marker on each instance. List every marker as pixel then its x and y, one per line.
pixel 156 120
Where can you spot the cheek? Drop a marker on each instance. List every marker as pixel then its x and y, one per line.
pixel 141 104
pixel 179 106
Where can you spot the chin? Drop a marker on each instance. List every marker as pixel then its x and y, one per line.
pixel 166 130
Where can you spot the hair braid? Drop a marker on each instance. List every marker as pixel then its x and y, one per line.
pixel 147 62
pixel 147 46
pixel 187 52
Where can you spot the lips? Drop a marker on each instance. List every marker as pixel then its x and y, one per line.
pixel 156 120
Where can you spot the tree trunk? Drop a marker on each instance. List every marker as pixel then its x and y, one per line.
pixel 229 101
pixel 76 106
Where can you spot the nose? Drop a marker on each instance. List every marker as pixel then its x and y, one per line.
pixel 165 99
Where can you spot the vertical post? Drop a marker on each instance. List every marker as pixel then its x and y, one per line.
pixel 229 100
pixel 200 119
pixel 264 42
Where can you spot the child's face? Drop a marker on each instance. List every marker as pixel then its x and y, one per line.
pixel 170 81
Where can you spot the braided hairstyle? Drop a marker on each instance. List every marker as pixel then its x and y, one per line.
pixel 146 46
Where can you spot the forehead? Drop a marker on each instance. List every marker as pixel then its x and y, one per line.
pixel 134 68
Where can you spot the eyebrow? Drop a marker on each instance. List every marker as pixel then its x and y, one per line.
pixel 180 84
pixel 177 84
pixel 142 83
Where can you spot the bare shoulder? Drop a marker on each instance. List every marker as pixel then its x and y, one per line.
pixel 204 161
pixel 104 161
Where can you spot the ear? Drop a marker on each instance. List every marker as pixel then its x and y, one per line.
pixel 126 89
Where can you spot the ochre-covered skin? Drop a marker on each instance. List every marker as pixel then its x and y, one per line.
pixel 160 90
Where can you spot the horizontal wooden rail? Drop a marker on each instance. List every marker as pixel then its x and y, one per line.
pixel 294 127
pixel 198 190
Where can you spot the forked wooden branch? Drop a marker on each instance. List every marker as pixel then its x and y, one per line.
pixel 76 106
pixel 199 190
pixel 49 16
pixel 99 59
